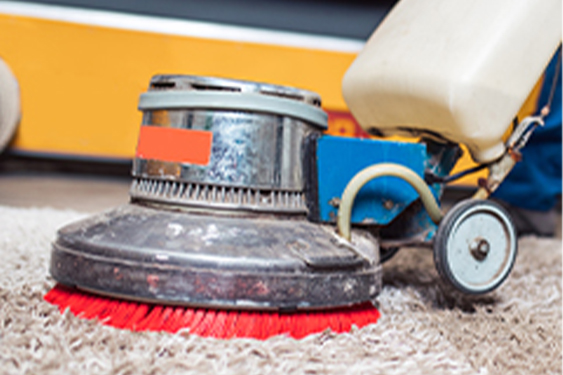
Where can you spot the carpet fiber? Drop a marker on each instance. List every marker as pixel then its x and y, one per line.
pixel 424 328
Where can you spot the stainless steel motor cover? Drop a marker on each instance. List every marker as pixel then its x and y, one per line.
pixel 259 136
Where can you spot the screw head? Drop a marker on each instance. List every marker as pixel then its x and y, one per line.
pixel 334 202
pixel 388 204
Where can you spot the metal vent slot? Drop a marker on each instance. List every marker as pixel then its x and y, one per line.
pixel 163 85
pixel 202 87
pixel 292 96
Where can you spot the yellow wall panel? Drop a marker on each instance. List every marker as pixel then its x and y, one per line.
pixel 80 84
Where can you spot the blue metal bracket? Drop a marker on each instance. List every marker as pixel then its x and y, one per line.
pixel 379 201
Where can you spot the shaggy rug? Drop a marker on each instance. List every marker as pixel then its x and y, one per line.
pixel 424 329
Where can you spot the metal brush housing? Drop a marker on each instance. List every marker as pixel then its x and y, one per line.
pixel 230 232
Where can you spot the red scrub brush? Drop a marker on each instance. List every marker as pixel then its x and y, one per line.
pixel 222 324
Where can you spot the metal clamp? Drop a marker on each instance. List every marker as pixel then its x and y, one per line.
pixel 502 167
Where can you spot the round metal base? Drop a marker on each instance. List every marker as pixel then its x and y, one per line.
pixel 208 259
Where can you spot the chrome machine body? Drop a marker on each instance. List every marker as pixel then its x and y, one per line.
pixel 232 231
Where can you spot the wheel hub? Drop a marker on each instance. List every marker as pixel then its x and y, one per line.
pixel 480 248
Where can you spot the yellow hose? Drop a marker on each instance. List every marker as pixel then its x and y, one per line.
pixel 380 170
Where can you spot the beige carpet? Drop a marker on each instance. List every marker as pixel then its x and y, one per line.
pixel 423 330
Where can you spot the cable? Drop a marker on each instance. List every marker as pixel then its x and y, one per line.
pixel 380 170
pixel 547 107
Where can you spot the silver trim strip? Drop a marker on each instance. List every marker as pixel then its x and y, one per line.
pixel 233 101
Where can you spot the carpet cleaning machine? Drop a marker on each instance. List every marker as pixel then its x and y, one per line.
pixel 239 201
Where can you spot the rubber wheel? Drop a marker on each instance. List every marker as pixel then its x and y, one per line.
pixel 475 246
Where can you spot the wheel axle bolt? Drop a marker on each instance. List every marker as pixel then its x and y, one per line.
pixel 480 248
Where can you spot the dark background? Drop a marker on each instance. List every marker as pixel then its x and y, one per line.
pixel 349 19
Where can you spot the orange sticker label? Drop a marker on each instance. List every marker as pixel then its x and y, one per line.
pixel 175 145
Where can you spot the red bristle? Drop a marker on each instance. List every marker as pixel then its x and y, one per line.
pixel 244 324
pixel 239 323
pixel 271 326
pixel 172 324
pixel 345 323
pixel 175 320
pixel 212 323
pixel 367 318
pixel 355 320
pixel 325 322
pixel 333 322
pixel 206 323
pixel 287 324
pixel 255 330
pixel 111 306
pixel 366 314
pixel 309 323
pixel 52 295
pixel 319 322
pixel 261 324
pixel 165 315
pixel 199 315
pixel 115 312
pixel 231 324
pixel 137 316
pixel 284 324
pixel 302 324
pixel 254 327
pixel 150 318
pixel 76 303
pixel 186 318
pixel 55 295
pixel 154 323
pixel 294 326
pixel 64 297
pixel 88 304
pixel 62 305
pixel 138 311
pixel 80 306
pixel 218 327
pixel 278 325
pixel 362 318
pixel 96 306
pixel 374 315
pixel 123 314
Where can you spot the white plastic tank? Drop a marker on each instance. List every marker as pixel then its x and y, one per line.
pixel 460 69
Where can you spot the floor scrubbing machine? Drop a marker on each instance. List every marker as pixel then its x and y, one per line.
pixel 235 197
pixel 238 200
